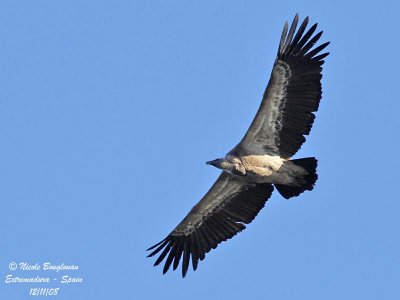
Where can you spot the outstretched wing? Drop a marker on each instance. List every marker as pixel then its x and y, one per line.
pixel 292 95
pixel 221 213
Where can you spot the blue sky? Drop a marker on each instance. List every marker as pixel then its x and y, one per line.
pixel 109 110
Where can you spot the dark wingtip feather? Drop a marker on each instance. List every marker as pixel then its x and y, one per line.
pixel 164 242
pixel 317 50
pixel 304 39
pixel 163 254
pixel 169 260
pixel 194 251
pixel 298 35
pixel 310 43
pixel 300 43
pixel 152 247
pixel 283 37
pixel 186 257
pixel 321 56
pixel 291 33
pixel 178 253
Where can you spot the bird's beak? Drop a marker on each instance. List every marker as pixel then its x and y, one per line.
pixel 212 162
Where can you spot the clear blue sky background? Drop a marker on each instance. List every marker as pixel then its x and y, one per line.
pixel 109 110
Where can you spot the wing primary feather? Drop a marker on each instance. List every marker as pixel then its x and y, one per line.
pixel 159 248
pixel 170 258
pixel 310 44
pixel 163 254
pixel 152 247
pixel 321 57
pixel 291 32
pixel 299 33
pixel 305 38
pixel 178 252
pixel 283 37
pixel 186 256
pixel 316 50
pixel 195 251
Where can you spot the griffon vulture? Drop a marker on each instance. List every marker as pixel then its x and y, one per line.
pixel 262 159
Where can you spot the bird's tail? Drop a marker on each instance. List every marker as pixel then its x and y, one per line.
pixel 306 182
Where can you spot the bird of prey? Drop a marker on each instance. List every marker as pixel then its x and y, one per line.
pixel 262 159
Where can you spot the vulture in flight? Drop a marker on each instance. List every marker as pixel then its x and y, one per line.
pixel 262 159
